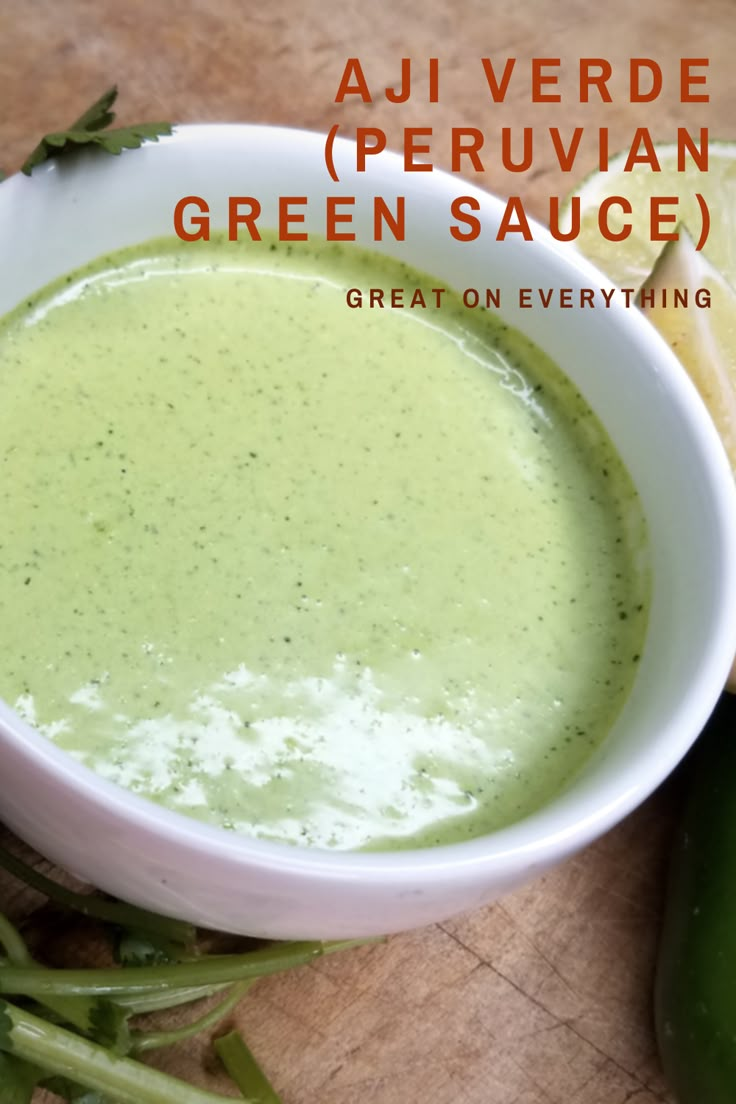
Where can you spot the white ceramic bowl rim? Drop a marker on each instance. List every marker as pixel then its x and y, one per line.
pixel 539 836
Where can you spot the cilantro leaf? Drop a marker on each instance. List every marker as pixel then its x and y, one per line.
pixel 73 1093
pixel 109 1026
pixel 99 115
pixel 17 1080
pixel 139 948
pixel 105 1023
pixel 131 137
pixel 90 129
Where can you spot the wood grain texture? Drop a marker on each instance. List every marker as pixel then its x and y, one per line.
pixel 543 998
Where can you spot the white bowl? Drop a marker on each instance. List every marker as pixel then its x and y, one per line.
pixel 72 211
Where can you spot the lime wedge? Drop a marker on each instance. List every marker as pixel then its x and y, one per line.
pixel 703 338
pixel 629 262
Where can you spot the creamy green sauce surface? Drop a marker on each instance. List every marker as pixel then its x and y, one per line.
pixel 346 578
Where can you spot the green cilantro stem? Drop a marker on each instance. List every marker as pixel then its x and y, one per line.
pixel 13 943
pixel 121 1079
pixel 75 1010
pixel 37 981
pixel 138 1005
pixel 154 1040
pixel 112 912
pixel 239 1061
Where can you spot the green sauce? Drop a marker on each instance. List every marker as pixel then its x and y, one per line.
pixel 347 578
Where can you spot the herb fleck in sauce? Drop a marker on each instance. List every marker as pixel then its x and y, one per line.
pixel 336 577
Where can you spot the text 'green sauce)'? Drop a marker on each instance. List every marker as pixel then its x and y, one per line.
pixel 333 577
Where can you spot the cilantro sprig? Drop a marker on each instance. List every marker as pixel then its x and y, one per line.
pixel 91 129
pixel 127 917
pixel 72 1031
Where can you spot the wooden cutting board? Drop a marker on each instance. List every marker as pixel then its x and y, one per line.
pixel 543 998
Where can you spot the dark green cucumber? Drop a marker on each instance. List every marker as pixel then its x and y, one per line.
pixel 695 991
